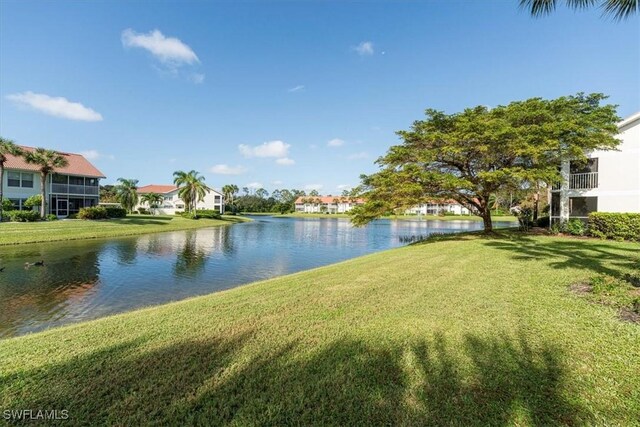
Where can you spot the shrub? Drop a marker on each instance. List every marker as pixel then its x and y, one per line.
pixel 208 213
pixel 113 212
pixel 7 205
pixel 576 227
pixel 24 216
pixel 33 201
pixel 542 221
pixel 525 217
pixel 619 226
pixel 51 217
pixel 94 212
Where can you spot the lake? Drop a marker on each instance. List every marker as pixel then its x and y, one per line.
pixel 87 279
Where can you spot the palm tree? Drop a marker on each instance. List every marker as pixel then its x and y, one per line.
pixel 229 191
pixel 619 9
pixel 47 161
pixel 191 188
pixel 152 200
pixel 7 148
pixel 127 193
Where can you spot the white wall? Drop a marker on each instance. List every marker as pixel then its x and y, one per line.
pixel 618 174
pixel 174 204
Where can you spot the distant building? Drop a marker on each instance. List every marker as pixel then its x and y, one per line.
pixel 67 189
pixel 172 203
pixel 439 207
pixel 608 182
pixel 326 204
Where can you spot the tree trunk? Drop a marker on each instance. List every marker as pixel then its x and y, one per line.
pixel 43 204
pixel 486 219
pixel 1 190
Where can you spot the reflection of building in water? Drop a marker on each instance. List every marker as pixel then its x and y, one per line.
pixel 44 293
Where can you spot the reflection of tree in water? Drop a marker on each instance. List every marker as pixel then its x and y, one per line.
pixel 226 240
pixel 42 293
pixel 191 259
pixel 126 251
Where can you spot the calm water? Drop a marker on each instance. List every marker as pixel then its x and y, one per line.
pixel 88 279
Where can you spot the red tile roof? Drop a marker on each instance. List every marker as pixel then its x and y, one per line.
pixel 78 165
pixel 155 188
pixel 328 199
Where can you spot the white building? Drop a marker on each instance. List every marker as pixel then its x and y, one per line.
pixel 67 189
pixel 213 200
pixel 326 204
pixel 438 207
pixel 609 182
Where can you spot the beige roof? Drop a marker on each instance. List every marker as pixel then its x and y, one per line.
pixel 78 165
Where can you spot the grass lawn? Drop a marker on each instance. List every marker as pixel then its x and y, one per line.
pixel 468 330
pixel 402 217
pixel 12 233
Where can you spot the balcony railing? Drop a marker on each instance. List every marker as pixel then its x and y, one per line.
pixel 580 181
pixel 583 181
pixel 74 189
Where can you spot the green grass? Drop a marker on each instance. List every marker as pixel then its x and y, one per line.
pixel 402 217
pixel 467 330
pixel 12 233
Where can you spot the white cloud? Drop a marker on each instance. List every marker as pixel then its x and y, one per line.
pixel 168 50
pixel 285 161
pixel 277 182
pixel 360 155
pixel 336 142
pixel 223 169
pixel 296 88
pixel 277 149
pixel 364 48
pixel 95 155
pixel 254 185
pixel 344 187
pixel 197 78
pixel 56 106
pixel 310 187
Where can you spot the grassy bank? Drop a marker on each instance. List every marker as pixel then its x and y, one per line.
pixel 465 331
pixel 12 233
pixel 403 217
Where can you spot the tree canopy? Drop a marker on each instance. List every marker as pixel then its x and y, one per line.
pixel 473 155
pixel 619 9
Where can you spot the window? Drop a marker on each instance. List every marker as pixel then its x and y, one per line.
pixel 13 179
pixel 217 199
pixel 20 179
pixel 581 167
pixel 582 206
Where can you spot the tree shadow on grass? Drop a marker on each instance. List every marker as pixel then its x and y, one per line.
pixel 486 381
pixel 596 256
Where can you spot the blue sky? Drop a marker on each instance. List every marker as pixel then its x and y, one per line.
pixel 283 94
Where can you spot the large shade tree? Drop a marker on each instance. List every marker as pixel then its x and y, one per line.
pixel 191 188
pixel 619 9
pixel 7 148
pixel 473 155
pixel 47 161
pixel 127 193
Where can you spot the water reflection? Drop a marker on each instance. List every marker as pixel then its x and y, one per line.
pixel 87 279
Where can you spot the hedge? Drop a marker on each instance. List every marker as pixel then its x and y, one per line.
pixel 23 216
pixel 618 226
pixel 101 212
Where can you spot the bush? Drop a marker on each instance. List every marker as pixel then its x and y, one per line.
pixel 24 216
pixel 542 221
pixel 201 213
pixel 7 205
pixel 33 201
pixel 576 227
pixel 525 217
pixel 51 217
pixel 113 212
pixel 94 212
pixel 619 226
